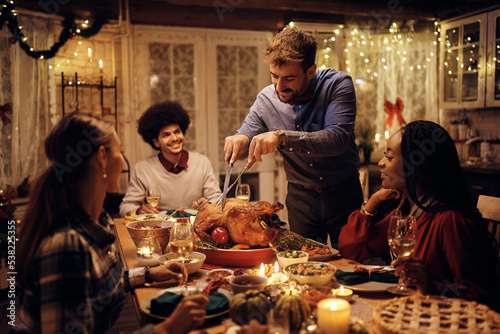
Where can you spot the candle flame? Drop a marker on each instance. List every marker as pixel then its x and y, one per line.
pixel 377 137
pixel 341 289
pixel 262 270
pixel 100 63
pixel 386 134
pixel 291 289
pixel 145 250
pixel 333 307
pixel 276 267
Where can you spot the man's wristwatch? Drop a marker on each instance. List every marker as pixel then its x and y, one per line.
pixel 281 136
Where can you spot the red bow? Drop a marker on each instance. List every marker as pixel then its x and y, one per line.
pixel 394 109
pixel 4 110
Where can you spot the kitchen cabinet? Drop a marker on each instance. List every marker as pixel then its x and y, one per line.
pixel 493 59
pixel 463 44
pixel 470 62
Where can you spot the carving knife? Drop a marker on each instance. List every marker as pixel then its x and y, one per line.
pixel 222 197
pixel 226 184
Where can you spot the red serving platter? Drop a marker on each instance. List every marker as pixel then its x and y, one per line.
pixel 237 258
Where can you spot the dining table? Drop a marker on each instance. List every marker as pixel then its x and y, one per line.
pixel 366 301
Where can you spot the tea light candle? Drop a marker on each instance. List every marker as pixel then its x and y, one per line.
pixel 146 257
pixel 292 291
pixel 276 277
pixel 333 316
pixel 343 293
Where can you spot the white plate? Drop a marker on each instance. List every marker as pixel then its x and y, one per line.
pixel 370 286
pixel 161 215
pixel 146 302
pixel 322 258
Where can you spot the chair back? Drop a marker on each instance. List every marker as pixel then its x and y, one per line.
pixel 490 209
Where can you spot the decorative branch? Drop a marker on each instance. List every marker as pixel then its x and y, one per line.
pixel 70 30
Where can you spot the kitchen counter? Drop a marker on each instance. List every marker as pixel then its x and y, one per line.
pixel 480 168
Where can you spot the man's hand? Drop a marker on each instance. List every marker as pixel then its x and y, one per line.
pixel 262 144
pixel 146 208
pixel 234 147
pixel 199 203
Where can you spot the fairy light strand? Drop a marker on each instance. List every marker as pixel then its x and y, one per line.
pixel 70 30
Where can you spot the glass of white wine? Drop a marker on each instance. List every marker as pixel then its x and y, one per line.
pixel 401 236
pixel 153 195
pixel 243 191
pixel 182 241
pixel 396 215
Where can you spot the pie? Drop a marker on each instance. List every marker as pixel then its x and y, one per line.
pixel 434 314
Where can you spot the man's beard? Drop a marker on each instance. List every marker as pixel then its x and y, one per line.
pixel 291 98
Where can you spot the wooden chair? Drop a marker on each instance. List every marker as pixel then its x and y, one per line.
pixel 490 209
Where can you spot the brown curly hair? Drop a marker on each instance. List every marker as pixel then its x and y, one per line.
pixel 158 116
pixel 292 45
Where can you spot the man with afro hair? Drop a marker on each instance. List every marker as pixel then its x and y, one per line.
pixel 185 179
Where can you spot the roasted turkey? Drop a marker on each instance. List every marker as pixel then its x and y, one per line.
pixel 246 223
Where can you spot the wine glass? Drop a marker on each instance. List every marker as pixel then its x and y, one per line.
pixel 153 195
pixel 396 215
pixel 401 236
pixel 182 241
pixel 243 191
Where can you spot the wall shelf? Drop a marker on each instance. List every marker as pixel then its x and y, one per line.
pixel 74 83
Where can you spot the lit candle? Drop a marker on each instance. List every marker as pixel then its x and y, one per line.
pixel 377 138
pixel 89 52
pixel 146 257
pixel 276 277
pixel 334 316
pixel 262 270
pixel 343 293
pixel 101 65
pixel 386 134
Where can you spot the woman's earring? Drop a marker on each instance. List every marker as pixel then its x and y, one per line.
pixel 104 176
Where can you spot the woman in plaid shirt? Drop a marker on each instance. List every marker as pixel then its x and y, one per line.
pixel 69 279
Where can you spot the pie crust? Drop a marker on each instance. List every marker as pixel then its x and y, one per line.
pixel 434 314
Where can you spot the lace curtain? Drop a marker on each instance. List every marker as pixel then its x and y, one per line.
pixel 392 63
pixel 24 84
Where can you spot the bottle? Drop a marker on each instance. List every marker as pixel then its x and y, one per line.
pixel 485 150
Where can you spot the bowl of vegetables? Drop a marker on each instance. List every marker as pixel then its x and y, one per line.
pixel 312 273
pixel 286 258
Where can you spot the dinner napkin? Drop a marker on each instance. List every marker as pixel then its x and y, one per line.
pixel 353 278
pixel 165 304
pixel 179 214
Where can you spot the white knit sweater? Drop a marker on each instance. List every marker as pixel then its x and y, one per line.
pixel 177 190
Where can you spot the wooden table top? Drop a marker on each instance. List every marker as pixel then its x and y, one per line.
pixel 128 253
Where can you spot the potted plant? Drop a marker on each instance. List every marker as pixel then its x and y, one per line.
pixel 366 141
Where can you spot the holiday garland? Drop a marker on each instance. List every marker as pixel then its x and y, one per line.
pixel 70 30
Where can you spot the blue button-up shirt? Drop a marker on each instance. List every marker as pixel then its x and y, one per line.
pixel 319 145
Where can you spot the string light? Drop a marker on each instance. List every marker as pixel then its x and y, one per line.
pixel 8 15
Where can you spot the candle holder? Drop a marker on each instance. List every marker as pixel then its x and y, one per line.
pixel 343 293
pixel 148 251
